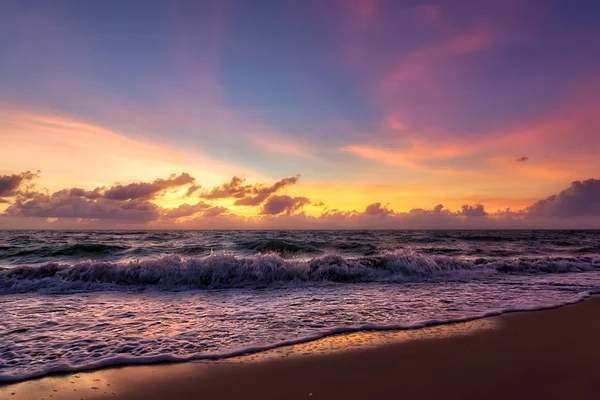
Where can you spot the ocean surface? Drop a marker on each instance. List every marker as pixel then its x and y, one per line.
pixel 79 300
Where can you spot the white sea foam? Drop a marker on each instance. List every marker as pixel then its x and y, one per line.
pixel 85 364
pixel 221 270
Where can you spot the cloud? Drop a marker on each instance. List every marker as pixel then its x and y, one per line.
pixel 129 203
pixel 233 188
pixel 377 209
pixel 261 193
pixel 64 205
pixel 133 204
pixel 522 159
pixel 252 200
pixel 215 211
pixel 192 189
pixel 143 190
pixel 10 184
pixel 473 211
pixel 579 200
pixel 280 204
pixel 248 195
pixel 437 210
pixel 90 194
pixel 186 210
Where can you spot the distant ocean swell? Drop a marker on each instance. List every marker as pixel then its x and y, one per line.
pixel 221 270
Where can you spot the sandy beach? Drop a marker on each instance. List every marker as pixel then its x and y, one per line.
pixel 550 354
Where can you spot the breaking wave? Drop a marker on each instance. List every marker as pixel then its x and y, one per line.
pixel 218 271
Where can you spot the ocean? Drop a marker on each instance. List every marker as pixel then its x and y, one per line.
pixel 78 300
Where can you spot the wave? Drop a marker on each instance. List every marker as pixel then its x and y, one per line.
pixel 221 270
pixel 122 360
pixel 68 250
pixel 280 246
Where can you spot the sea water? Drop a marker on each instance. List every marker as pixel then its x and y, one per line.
pixel 78 300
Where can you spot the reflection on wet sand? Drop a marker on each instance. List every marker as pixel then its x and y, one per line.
pixel 114 382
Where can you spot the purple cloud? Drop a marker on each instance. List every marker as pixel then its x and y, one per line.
pixel 248 195
pixel 214 211
pixel 252 200
pixel 192 189
pixel 144 190
pixel 10 184
pixel 579 200
pixel 234 188
pixel 63 205
pixel 131 203
pixel 280 204
pixel 261 193
pixel 186 210
pixel 377 209
pixel 473 211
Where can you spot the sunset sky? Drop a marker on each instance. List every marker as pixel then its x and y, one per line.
pixel 299 114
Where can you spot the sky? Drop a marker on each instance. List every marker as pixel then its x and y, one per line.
pixel 299 114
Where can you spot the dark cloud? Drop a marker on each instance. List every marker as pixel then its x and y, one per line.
pixel 280 204
pixel 579 200
pixel 132 204
pixel 128 203
pixel 89 194
pixel 338 215
pixel 248 195
pixel 437 210
pixel 235 188
pixel 277 185
pixel 120 202
pixel 522 159
pixel 10 184
pixel 192 189
pixel 507 213
pixel 252 200
pixel 473 211
pixel 186 210
pixel 214 211
pixel 261 193
pixel 377 209
pixel 144 190
pixel 64 205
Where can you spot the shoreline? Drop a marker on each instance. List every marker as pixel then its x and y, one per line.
pixel 335 365
pixel 390 333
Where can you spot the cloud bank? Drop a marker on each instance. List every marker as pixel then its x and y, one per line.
pixel 581 199
pixel 137 204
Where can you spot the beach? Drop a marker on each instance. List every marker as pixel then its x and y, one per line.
pixel 551 354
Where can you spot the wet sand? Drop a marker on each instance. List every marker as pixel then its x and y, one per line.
pixel 550 354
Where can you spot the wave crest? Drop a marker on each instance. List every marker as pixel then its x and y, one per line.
pixel 230 271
